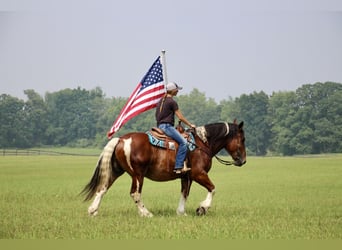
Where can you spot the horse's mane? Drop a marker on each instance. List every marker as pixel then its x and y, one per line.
pixel 217 130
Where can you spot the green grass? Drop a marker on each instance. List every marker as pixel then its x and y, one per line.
pixel 269 198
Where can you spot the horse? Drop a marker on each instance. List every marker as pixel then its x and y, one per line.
pixel 134 154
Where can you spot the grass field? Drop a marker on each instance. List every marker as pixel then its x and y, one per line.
pixel 268 198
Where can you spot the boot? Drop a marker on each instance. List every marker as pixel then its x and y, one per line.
pixel 182 170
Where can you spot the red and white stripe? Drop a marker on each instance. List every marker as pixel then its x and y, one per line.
pixel 141 100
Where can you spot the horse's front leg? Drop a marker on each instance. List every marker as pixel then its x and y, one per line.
pixel 185 190
pixel 204 181
pixel 206 204
pixel 136 188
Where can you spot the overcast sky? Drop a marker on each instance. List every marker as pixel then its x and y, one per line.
pixel 223 48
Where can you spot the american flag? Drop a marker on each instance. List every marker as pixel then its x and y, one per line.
pixel 145 96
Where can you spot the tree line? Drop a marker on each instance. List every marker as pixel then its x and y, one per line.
pixel 305 121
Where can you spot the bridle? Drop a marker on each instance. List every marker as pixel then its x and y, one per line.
pixel 207 151
pixel 224 162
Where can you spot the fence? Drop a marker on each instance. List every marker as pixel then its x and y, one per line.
pixel 27 152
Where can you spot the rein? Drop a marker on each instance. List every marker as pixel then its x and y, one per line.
pixel 224 162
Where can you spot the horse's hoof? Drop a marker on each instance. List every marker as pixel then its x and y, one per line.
pixel 92 211
pixel 146 215
pixel 93 214
pixel 201 211
pixel 181 213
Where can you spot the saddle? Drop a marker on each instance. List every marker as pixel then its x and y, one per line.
pixel 158 133
pixel 158 138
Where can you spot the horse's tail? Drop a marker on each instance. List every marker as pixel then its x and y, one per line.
pixel 103 170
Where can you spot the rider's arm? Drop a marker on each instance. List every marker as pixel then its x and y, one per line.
pixel 183 119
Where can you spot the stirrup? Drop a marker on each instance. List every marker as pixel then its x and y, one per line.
pixel 182 170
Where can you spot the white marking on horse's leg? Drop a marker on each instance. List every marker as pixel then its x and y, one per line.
pixel 93 208
pixel 142 210
pixel 127 151
pixel 207 202
pixel 181 205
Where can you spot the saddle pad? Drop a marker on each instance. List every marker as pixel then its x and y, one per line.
pixel 160 143
pixel 171 144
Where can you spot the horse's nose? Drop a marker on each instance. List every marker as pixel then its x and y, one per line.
pixel 239 162
pixel 242 162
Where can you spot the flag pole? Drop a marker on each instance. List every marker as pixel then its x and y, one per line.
pixel 163 62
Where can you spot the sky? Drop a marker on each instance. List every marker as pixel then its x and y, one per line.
pixel 224 48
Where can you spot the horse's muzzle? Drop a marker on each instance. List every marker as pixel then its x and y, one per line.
pixel 239 162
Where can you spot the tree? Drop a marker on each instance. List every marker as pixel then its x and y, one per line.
pixel 253 111
pixel 282 109
pixel 229 110
pixel 12 120
pixel 305 121
pixel 318 125
pixel 198 109
pixel 308 120
pixel 35 113
pixel 73 115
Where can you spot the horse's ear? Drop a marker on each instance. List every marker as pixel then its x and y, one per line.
pixel 241 125
pixel 235 121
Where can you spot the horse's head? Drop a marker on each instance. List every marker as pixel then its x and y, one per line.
pixel 236 143
pixel 228 136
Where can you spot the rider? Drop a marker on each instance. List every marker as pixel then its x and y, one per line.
pixel 166 110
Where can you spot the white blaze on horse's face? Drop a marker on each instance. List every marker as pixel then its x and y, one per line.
pixel 127 150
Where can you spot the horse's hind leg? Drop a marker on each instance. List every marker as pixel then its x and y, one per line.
pixel 102 190
pixel 106 183
pixel 136 188
pixel 185 189
pixel 93 208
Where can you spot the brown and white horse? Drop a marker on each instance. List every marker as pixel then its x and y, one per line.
pixel 133 153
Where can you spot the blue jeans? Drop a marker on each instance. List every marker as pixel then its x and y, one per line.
pixel 182 147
